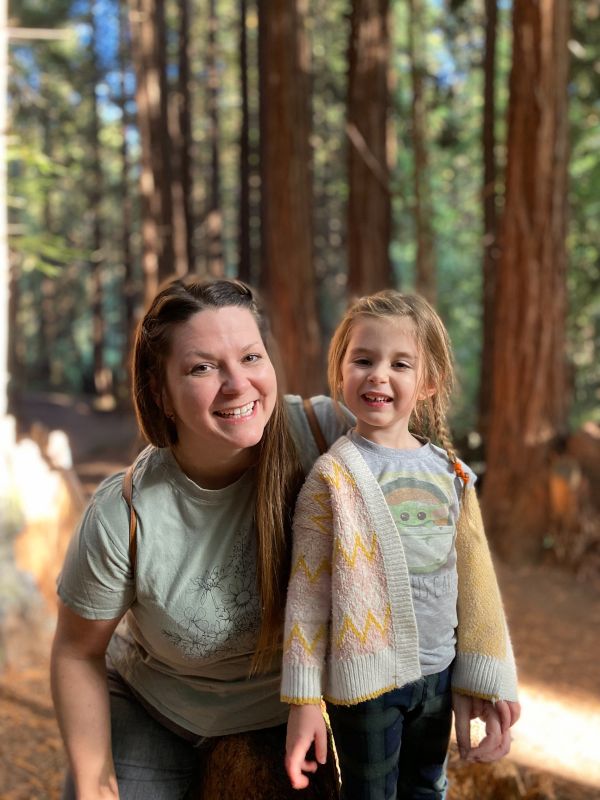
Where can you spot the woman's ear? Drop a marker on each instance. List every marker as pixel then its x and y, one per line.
pixel 161 397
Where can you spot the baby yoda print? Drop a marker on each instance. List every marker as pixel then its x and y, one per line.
pixel 422 513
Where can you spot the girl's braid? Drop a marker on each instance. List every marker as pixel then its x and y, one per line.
pixel 443 436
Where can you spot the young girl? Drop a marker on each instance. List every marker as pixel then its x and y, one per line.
pixel 393 610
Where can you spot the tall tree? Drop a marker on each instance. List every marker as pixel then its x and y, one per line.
pixel 288 275
pixel 214 212
pixel 148 40
pixel 425 277
pixel 129 284
pixel 528 409
pixel 245 266
pixel 180 117
pixel 4 263
pixel 369 206
pixel 490 243
pixel 102 375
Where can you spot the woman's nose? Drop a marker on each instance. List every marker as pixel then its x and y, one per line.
pixel 234 381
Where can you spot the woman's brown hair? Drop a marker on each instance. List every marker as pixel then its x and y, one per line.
pixel 279 473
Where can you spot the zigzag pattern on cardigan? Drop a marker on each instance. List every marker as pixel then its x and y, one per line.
pixel 350 626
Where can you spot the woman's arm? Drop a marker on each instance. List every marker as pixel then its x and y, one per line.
pixel 80 695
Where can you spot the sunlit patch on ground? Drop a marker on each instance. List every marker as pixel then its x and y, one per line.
pixel 561 735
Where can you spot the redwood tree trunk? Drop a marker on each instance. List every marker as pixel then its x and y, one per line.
pixel 245 267
pixel 102 375
pixel 490 243
pixel 288 275
pixel 369 205
pixel 425 276
pixel 148 39
pixel 181 147
pixel 129 284
pixel 214 215
pixel 528 408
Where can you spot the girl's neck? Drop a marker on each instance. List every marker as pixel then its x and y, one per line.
pixel 403 440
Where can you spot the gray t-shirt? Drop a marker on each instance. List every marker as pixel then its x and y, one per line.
pixel 422 493
pixel 193 614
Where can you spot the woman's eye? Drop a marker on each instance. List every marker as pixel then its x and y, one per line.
pixel 252 357
pixel 200 369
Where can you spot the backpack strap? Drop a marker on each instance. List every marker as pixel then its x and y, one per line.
pixel 127 492
pixel 315 428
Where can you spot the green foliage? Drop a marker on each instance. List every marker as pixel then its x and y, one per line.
pixel 52 182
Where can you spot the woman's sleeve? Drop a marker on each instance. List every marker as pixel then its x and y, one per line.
pixel 485 665
pixel 96 581
pixel 308 605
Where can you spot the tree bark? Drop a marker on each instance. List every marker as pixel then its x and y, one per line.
pixel 490 234
pixel 288 275
pixel 102 375
pixel 369 205
pixel 130 292
pixel 148 40
pixel 181 148
pixel 244 265
pixel 214 214
pixel 425 275
pixel 529 407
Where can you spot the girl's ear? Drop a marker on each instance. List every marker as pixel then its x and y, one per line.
pixel 426 390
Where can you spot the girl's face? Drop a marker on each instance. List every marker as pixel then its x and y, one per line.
pixel 380 379
pixel 220 385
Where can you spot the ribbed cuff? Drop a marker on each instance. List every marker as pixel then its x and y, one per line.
pixel 300 684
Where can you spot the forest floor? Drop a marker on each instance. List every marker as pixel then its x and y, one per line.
pixel 554 621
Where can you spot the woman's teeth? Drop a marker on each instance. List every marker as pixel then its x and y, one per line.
pixel 242 411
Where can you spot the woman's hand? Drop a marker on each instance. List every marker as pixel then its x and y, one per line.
pixel 498 718
pixel 305 726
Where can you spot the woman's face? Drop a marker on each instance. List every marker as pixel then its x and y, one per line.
pixel 220 385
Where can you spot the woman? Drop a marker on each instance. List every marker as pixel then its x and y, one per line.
pixel 198 655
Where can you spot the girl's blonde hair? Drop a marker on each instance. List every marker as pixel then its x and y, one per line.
pixel 436 367
pixel 279 472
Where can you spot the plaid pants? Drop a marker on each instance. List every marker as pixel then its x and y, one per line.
pixel 396 746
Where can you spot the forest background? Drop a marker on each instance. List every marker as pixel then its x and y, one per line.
pixel 319 150
pixel 322 150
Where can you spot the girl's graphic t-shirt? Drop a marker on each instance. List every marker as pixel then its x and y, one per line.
pixel 423 495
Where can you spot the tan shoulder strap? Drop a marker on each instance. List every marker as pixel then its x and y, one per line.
pixel 314 425
pixel 127 492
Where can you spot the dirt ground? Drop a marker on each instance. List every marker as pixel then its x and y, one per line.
pixel 554 622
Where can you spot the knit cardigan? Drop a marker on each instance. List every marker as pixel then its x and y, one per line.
pixel 350 628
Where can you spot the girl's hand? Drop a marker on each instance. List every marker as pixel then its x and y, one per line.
pixel 498 719
pixel 305 726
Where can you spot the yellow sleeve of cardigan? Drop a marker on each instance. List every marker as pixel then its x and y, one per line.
pixel 481 622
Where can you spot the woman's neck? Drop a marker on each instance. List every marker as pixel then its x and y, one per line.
pixel 213 472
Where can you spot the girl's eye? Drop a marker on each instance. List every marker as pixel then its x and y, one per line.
pixel 362 362
pixel 401 365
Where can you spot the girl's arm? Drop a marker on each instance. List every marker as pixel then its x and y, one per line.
pixel 80 695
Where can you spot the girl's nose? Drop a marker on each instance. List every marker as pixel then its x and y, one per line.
pixel 377 376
